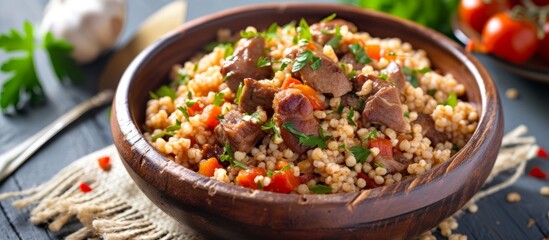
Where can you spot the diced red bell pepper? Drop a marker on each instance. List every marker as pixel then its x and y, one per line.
pixel 104 163
pixel 542 153
pixel 370 183
pixel 374 51
pixel 384 145
pixel 246 178
pixel 207 168
pixel 283 182
pixel 210 114
pixel 84 187
pixel 538 173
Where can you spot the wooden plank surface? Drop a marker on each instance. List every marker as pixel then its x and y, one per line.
pixel 496 218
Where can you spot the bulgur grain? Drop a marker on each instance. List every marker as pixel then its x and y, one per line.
pixel 513 197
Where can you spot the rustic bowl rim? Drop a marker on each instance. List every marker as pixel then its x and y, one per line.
pixel 482 78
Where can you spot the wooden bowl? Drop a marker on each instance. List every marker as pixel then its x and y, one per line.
pixel 220 210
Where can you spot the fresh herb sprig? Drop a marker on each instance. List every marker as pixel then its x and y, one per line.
pixel 305 57
pixel 307 140
pixel 228 156
pixel 23 82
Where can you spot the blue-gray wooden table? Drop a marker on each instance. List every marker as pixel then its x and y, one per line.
pixel 496 218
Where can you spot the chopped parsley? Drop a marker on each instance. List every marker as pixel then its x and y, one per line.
pixel 411 74
pixel 424 70
pixel 329 18
pixel 360 153
pixel 184 111
pixel 335 41
pixel 163 91
pixel 271 125
pixel 307 140
pixel 383 76
pixel 451 100
pixel 342 146
pixel 303 30
pixel 303 42
pixel 170 131
pixel 378 164
pixel 263 62
pixel 271 31
pixel 320 189
pixel 248 34
pixel 229 49
pixel 285 62
pixel 228 156
pixel 350 117
pixel 360 54
pixel 218 99
pixel 303 58
pixel 182 77
pixel 360 105
pixel 352 74
pixel 407 114
pixel 431 92
pixel 239 93
pixel 340 109
pixel 371 135
pixel 288 26
pixel 191 103
pixel 220 116
pixel 270 173
pixel 229 74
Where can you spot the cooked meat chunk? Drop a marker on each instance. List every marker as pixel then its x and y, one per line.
pixel 241 135
pixel 320 35
pixel 353 101
pixel 428 129
pixel 255 94
pixel 358 81
pixel 350 59
pixel 395 75
pixel 390 164
pixel 383 107
pixel 328 78
pixel 243 63
pixel 291 106
pixel 210 151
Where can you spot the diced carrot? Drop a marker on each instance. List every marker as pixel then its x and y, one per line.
pixel 289 82
pixel 207 168
pixel 388 54
pixel 384 145
pixel 373 51
pixel 104 163
pixel 84 187
pixel 283 182
pixel 209 115
pixel 311 95
pixel 246 178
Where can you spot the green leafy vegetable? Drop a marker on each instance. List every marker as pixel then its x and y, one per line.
pixel 218 99
pixel 436 14
pixel 228 156
pixel 239 93
pixel 303 30
pixel 378 164
pixel 452 100
pixel 350 117
pixel 163 91
pixel 229 74
pixel 360 54
pixel 431 92
pixel 307 140
pixel 320 189
pixel 383 76
pixel 407 114
pixel 271 31
pixel 360 105
pixel 303 58
pixel 263 62
pixel 190 103
pixel 270 173
pixel 285 62
pixel 411 76
pixel 248 34
pixel 329 18
pixel 360 153
pixel 170 131
pixel 271 125
pixel 335 41
pixel 184 111
pixel 23 82
pixel 182 77
pixel 340 109
pixel 371 135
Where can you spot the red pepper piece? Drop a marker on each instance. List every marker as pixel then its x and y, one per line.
pixel 542 153
pixel 84 187
pixel 104 163
pixel 538 173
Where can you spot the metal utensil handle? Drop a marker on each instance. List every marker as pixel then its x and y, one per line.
pixel 12 159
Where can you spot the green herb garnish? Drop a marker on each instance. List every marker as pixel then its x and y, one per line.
pixel 452 100
pixel 170 131
pixel 285 62
pixel 320 189
pixel 329 18
pixel 303 30
pixel 340 109
pixel 271 125
pixel 360 153
pixel 190 103
pixel 239 93
pixel 303 58
pixel 270 173
pixel 228 156
pixel 372 134
pixel 229 74
pixel 263 62
pixel 360 54
pixel 431 92
pixel 307 140
pixel 383 76
pixel 184 111
pixel 407 114
pixel 335 41
pixel 350 117
pixel 411 76
pixel 163 91
pixel 378 164
pixel 218 99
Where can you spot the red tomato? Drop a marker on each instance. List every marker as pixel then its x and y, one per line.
pixel 514 40
pixel 384 145
pixel 283 182
pixel 246 177
pixel 543 50
pixel 476 12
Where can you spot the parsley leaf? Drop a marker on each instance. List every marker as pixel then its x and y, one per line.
pixel 329 18
pixel 287 167
pixel 285 62
pixel 350 117
pixel 378 164
pixel 303 30
pixel 163 91
pixel 248 34
pixel 372 134
pixel 184 111
pixel 271 31
pixel 340 109
pixel 170 131
pixel 63 65
pixel 182 77
pixel 238 93
pixel 360 153
pixel 383 76
pixel 316 63
pixel 411 76
pixel 218 99
pixel 303 58
pixel 263 62
pixel 452 100
pixel 335 41
pixel 190 103
pixel 320 189
pixel 407 114
pixel 360 54
pixel 431 92
pixel 271 125
pixel 307 140
pixel 229 74
pixel 228 156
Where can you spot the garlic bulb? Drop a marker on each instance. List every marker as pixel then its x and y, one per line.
pixel 91 26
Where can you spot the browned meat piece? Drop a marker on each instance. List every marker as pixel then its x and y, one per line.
pixel 291 105
pixel 384 107
pixel 243 63
pixel 358 81
pixel 353 101
pixel 210 151
pixel 395 75
pixel 428 129
pixel 241 135
pixel 256 94
pixel 390 164
pixel 350 59
pixel 320 35
pixel 328 78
